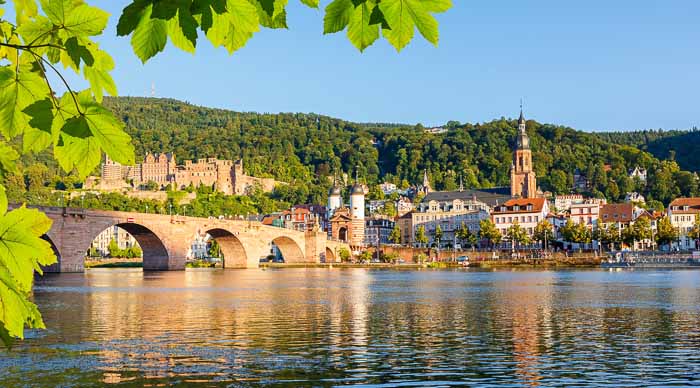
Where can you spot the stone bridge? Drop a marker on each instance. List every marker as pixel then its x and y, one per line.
pixel 165 240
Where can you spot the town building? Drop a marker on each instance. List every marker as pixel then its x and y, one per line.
pixel 449 216
pixel 634 197
pixel 301 218
pixel 403 206
pixel 638 173
pixel 348 223
pixel 563 203
pixel 378 229
pixel 375 205
pixel 683 213
pixel 526 212
pixel 405 224
pixel 225 176
pixel 388 188
pixel 586 212
pixel 123 239
pixel 523 182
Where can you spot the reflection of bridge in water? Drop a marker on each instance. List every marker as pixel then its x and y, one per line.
pixel 165 239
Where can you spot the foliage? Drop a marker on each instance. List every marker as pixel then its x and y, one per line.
pixel 489 232
pixel 130 253
pixel 576 233
pixel 365 257
pixel 518 234
pixel 22 251
pixel 395 235
pixel 438 233
pixel 465 235
pixel 666 233
pixel 543 232
pixel 344 254
pixel 694 232
pixel 78 128
pixel 421 238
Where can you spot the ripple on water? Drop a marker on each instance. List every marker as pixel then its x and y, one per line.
pixel 312 327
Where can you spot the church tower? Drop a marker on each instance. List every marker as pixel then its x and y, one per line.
pixel 523 182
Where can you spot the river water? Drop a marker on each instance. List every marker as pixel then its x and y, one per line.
pixel 321 327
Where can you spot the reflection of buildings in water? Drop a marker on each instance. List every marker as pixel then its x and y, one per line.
pixel 528 301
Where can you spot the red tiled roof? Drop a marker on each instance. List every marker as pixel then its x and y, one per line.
pixel 692 203
pixel 617 212
pixel 522 203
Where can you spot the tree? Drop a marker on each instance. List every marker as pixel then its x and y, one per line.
pixel 465 235
pixel 438 235
pixel 517 235
pixel 543 232
pixel 489 232
pixel 395 235
pixel 421 238
pixel 694 232
pixel 114 250
pixel 344 254
pixel 79 128
pixel 642 229
pixel 666 233
pixel 365 257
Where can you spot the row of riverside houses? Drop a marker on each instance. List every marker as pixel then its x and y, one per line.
pixel 446 214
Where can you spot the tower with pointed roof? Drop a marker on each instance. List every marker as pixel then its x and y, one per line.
pixel 523 182
pixel 357 212
pixel 335 200
pixel 425 187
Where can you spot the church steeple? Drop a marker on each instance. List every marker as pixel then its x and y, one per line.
pixel 522 177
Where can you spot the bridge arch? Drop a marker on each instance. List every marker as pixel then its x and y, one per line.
pixel 330 255
pixel 155 255
pixel 290 250
pixel 232 248
pixel 55 267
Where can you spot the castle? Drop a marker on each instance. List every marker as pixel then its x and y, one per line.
pixel 225 176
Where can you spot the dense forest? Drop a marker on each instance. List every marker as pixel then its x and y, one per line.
pixel 307 149
pixel 681 146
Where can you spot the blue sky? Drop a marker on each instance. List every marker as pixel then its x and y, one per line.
pixel 594 65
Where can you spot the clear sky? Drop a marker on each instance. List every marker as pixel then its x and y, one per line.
pixel 593 65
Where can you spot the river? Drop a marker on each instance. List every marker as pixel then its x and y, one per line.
pixel 321 327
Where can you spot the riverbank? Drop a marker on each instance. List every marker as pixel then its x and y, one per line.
pixel 114 263
pixel 559 262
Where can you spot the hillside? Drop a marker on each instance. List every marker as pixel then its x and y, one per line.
pixel 306 149
pixel 682 146
pixel 297 147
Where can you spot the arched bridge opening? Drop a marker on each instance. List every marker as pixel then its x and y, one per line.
pixel 289 249
pixel 55 267
pixel 232 250
pixel 155 255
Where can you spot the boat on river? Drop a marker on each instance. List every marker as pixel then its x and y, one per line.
pixel 627 259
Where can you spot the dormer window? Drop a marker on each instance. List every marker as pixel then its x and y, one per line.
pixel 685 208
pixel 529 207
pixel 516 208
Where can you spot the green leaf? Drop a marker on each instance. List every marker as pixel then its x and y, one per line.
pixel 403 16
pixel 98 74
pixel 85 20
pixel 81 153
pixel 131 17
pixel 437 5
pixel 36 31
pixel 337 17
pixel 426 23
pixel 37 136
pixel 75 52
pixel 310 3
pixel 8 155
pixel 182 31
pixel 57 10
pixel 149 37
pixel 235 27
pixel 17 91
pixel 360 32
pixel 3 201
pixel 21 248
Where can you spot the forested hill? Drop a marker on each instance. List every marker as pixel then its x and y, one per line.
pixel 682 146
pixel 306 148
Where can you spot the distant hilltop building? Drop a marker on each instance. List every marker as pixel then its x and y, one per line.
pixel 639 173
pixel 436 130
pixel 225 176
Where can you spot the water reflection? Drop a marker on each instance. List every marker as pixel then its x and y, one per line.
pixel 320 327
